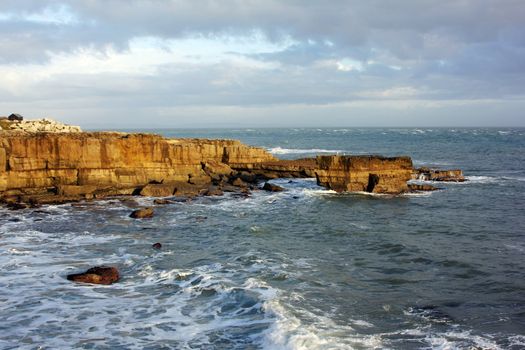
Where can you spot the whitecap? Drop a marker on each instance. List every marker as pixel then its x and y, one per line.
pixel 280 150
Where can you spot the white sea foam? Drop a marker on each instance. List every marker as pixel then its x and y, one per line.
pixel 279 150
pixel 319 332
pixel 480 179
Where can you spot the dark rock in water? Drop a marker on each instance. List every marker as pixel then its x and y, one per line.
pixel 16 206
pixel 428 174
pixel 208 292
pixel 142 213
pixel 213 191
pixel 248 177
pixel 422 187
pixel 96 275
pixel 432 313
pixel 156 245
pixel 272 188
pixel 161 201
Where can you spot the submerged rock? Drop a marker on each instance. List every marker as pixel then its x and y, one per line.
pixel 96 275
pixel 142 213
pixel 162 201
pixel 272 188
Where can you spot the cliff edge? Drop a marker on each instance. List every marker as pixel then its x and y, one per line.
pixel 34 166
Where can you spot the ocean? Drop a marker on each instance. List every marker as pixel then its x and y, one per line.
pixel 302 269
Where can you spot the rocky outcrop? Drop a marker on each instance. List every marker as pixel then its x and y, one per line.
pixel 272 188
pixel 96 275
pixel 253 172
pixel 428 174
pixel 38 125
pixel 67 166
pixel 142 213
pixel 421 188
pixel 374 174
pixel 59 167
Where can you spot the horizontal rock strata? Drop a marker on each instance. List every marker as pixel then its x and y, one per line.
pixel 58 167
pixel 374 174
pixel 33 166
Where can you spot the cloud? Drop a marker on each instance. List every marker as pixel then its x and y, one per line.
pixel 251 55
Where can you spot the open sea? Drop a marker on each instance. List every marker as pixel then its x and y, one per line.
pixel 302 269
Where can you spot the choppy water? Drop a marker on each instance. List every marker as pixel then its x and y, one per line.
pixel 301 269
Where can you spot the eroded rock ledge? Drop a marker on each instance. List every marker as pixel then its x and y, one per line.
pixel 59 167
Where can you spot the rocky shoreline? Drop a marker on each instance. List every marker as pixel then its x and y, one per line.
pixel 57 167
pixel 48 167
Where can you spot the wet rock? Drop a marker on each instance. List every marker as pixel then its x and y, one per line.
pixel 96 275
pixel 248 177
pixel 161 201
pixel 156 245
pixel 422 187
pixel 16 206
pixel 428 174
pixel 213 191
pixel 272 188
pixel 142 213
pixel 239 183
pixel 158 190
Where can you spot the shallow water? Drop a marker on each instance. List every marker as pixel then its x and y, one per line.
pixel 302 269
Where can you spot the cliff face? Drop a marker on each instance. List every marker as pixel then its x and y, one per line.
pixel 40 161
pixel 373 174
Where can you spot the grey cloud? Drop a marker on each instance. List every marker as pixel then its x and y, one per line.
pixel 447 50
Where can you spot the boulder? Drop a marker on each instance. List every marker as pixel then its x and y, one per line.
pixel 428 174
pixel 162 201
pixel 422 187
pixel 156 245
pixel 213 191
pixel 16 206
pixel 142 213
pixel 272 188
pixel 239 183
pixel 96 275
pixel 248 177
pixel 158 190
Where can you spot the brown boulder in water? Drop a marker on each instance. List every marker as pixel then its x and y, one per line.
pixel 272 188
pixel 96 275
pixel 422 187
pixel 142 213
pixel 156 245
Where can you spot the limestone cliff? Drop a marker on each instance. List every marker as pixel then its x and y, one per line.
pixel 375 174
pixel 78 163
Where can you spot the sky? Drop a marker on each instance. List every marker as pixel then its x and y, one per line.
pixel 248 63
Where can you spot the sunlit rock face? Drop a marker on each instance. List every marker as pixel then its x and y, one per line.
pixel 75 164
pixel 374 174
